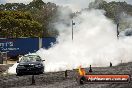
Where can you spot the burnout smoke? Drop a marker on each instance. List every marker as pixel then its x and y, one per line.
pixel 95 42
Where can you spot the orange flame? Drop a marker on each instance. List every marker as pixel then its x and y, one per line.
pixel 81 71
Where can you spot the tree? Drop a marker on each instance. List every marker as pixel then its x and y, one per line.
pixel 44 13
pixel 36 4
pixel 45 16
pixel 18 24
pixel 13 7
pixel 115 10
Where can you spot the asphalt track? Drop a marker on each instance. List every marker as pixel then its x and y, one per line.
pixel 58 80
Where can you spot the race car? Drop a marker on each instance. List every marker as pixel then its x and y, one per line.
pixel 30 64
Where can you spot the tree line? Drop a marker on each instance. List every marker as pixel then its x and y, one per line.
pixel 31 20
pixel 119 12
pixel 34 19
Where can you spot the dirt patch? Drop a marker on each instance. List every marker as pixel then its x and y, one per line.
pixel 3 68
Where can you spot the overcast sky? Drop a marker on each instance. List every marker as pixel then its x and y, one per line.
pixel 74 4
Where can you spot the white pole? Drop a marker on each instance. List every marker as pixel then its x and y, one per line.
pixel 40 42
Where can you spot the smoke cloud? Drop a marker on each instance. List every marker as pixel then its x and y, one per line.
pixel 95 42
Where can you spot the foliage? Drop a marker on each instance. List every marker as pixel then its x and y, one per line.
pixel 115 11
pixel 35 19
pixel 41 13
pixel 18 24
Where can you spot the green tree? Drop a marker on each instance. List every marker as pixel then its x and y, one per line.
pixel 45 16
pixel 115 10
pixel 36 4
pixel 13 7
pixel 44 13
pixel 18 24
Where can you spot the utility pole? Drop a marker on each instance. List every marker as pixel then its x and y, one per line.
pixel 40 42
pixel 72 29
pixel 117 30
pixel 40 39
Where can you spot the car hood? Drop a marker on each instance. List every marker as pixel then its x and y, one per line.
pixel 29 63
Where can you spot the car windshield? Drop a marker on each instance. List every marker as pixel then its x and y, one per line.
pixel 30 58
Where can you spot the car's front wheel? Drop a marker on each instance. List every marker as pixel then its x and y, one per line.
pixel 42 71
pixel 19 74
